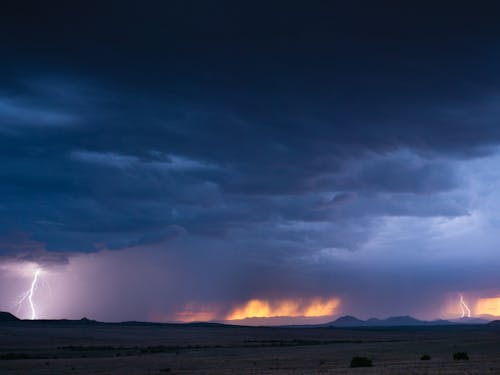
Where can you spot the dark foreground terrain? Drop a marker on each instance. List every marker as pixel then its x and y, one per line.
pixel 82 347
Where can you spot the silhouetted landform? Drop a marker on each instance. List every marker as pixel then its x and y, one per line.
pixel 83 321
pixel 342 322
pixel 471 320
pixel 399 321
pixel 7 317
pixel 494 324
pixel 348 321
pixel 192 324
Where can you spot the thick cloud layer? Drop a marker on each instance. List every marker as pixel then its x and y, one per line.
pixel 267 151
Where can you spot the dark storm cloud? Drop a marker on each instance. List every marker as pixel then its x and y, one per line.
pixel 241 124
pixel 278 105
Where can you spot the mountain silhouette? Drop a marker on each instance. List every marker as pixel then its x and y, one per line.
pixel 394 321
pixel 494 324
pixel 348 321
pixel 473 320
pixel 7 317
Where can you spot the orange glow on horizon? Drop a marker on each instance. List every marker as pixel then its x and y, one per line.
pixel 259 308
pixel 488 306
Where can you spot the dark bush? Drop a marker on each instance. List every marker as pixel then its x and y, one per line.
pixel 361 362
pixel 425 357
pixel 460 356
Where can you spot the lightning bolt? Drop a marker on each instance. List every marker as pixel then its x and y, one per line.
pixel 463 306
pixel 28 295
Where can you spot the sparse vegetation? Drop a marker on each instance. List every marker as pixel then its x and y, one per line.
pixel 297 342
pixel 361 362
pixel 11 356
pixel 460 356
pixel 258 350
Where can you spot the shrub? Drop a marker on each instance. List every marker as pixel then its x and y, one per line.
pixel 458 356
pixel 425 357
pixel 361 362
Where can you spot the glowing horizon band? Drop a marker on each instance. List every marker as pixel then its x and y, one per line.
pixel 263 308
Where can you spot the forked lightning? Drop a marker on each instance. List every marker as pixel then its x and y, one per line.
pixel 464 307
pixel 28 295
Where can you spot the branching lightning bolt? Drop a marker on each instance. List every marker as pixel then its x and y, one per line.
pixel 463 306
pixel 28 295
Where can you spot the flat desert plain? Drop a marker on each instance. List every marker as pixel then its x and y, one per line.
pixel 58 347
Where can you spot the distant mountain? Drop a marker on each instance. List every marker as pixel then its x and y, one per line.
pixel 86 320
pixel 395 321
pixel 347 321
pixel 441 322
pixel 342 322
pixel 471 321
pixel 191 324
pixel 7 317
pixel 494 324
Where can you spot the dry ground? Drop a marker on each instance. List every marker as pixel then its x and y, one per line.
pixel 74 348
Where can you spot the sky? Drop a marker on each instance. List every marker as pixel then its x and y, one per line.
pixel 271 162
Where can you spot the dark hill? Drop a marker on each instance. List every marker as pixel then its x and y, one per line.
pixel 7 317
pixel 395 321
pixel 347 321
